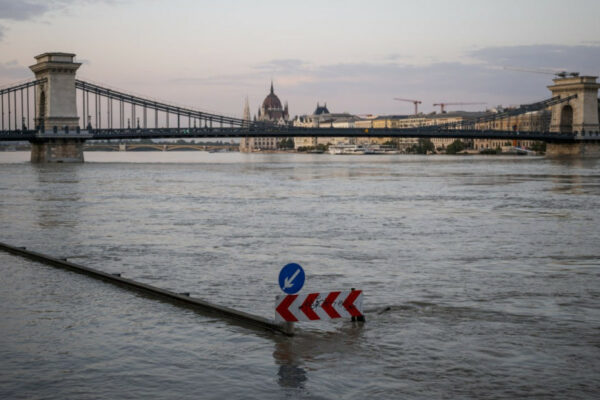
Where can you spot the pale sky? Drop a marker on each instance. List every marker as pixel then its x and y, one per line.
pixel 355 55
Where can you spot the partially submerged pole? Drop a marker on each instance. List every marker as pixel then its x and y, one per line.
pixel 182 299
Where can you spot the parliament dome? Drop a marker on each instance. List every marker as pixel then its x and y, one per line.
pixel 272 110
pixel 272 101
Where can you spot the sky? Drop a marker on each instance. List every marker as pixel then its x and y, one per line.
pixel 357 56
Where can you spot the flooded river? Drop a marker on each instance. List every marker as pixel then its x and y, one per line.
pixel 481 276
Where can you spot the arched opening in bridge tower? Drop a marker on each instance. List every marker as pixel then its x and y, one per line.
pixel 566 119
pixel 41 110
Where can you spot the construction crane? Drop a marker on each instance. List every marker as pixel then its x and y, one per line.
pixel 415 102
pixel 560 74
pixel 443 105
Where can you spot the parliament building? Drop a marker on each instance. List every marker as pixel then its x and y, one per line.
pixel 272 111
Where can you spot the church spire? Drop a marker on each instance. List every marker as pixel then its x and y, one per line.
pixel 272 86
pixel 246 116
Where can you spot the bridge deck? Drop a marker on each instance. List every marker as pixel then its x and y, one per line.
pixel 287 132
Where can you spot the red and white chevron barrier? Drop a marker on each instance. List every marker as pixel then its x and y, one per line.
pixel 318 306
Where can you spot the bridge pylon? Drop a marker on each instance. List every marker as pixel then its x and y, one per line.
pixel 578 116
pixel 58 137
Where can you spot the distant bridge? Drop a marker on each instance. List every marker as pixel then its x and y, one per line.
pixel 95 146
pixel 44 111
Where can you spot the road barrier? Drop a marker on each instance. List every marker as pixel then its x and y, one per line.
pixel 181 299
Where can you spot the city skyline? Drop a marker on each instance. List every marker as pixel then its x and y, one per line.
pixel 355 58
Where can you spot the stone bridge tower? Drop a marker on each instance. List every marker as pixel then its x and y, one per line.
pixel 578 116
pixel 56 97
pixel 59 138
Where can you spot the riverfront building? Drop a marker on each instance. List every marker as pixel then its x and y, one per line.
pixel 322 118
pixel 531 121
pixel 534 121
pixel 272 110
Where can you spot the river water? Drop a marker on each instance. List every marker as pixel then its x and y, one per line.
pixel 481 276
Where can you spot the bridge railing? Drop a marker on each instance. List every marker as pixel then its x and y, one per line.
pixel 485 122
pixel 107 108
pixel 18 106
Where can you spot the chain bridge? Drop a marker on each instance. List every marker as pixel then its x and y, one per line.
pixel 57 113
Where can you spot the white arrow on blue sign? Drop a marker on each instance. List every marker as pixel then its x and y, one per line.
pixel 291 278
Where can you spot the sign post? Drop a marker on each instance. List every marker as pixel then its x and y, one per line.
pixel 293 307
pixel 319 306
pixel 291 278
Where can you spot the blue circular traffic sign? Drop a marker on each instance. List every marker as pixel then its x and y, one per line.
pixel 291 278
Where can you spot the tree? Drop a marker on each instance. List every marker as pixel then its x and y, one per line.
pixel 423 146
pixel 455 147
pixel 391 143
pixel 497 150
pixel 286 144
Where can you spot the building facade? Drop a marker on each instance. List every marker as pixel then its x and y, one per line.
pixel 271 110
pixel 533 121
pixel 528 122
pixel 323 118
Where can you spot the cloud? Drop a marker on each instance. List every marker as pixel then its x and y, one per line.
pixel 362 87
pixel 21 10
pixel 581 58
pixel 370 87
pixel 395 57
pixel 24 9
pixel 290 65
pixel 12 70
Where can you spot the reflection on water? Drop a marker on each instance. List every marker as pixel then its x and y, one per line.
pixel 291 376
pixel 481 276
pixel 59 187
pixel 290 373
pixel 574 162
pixel 292 354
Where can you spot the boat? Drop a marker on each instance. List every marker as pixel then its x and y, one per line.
pixel 518 151
pixel 346 149
pixel 380 149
